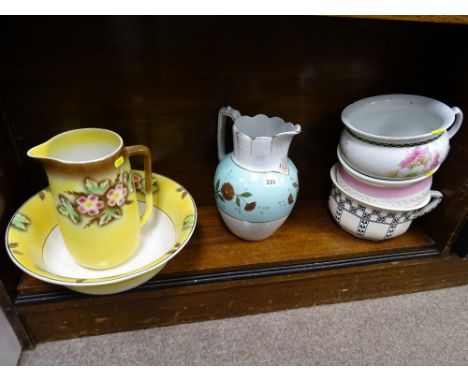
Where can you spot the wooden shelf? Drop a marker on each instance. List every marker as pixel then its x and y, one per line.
pixel 309 236
pixel 453 19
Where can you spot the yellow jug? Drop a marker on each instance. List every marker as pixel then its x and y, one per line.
pixel 97 210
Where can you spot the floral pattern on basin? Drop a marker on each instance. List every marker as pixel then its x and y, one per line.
pixel 20 222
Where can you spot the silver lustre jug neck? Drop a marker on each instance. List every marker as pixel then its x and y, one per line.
pixel 260 143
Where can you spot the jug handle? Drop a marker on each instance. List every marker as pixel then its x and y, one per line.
pixel 224 112
pixel 143 150
pixel 452 130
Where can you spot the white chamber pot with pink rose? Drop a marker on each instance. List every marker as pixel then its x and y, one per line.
pixel 398 136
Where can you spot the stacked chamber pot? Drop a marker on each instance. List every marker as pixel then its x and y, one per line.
pixel 390 147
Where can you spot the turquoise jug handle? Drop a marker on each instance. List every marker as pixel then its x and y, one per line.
pixel 224 112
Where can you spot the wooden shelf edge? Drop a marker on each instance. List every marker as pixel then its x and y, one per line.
pixel 184 304
pixel 440 19
pixel 291 269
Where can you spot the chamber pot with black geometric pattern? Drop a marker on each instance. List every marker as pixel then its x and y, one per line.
pixel 371 221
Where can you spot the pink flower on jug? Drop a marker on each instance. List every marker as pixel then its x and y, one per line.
pixel 117 195
pixel 417 157
pixel 89 204
pixel 137 181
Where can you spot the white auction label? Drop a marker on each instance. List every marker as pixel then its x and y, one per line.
pixel 271 181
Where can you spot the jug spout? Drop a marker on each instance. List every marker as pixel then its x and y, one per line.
pixel 280 149
pixel 78 147
pixel 40 151
pixel 262 143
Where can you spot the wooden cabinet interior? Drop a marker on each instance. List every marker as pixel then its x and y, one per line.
pixel 160 81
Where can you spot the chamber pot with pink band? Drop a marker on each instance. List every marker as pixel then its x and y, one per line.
pixel 394 195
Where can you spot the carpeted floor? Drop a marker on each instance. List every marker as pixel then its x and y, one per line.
pixel 429 328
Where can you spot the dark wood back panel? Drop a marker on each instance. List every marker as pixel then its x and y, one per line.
pixel 12 193
pixel 159 81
